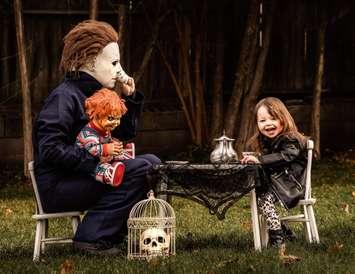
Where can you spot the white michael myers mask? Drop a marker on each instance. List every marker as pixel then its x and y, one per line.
pixel 106 66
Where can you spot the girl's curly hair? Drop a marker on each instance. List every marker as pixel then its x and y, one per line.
pixel 84 42
pixel 103 103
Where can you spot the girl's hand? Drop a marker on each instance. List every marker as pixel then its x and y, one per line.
pixel 250 159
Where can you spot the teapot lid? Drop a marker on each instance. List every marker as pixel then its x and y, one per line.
pixel 223 138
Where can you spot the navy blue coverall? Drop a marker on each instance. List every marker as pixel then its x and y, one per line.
pixel 64 170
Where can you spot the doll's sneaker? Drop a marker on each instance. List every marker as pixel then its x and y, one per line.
pixel 114 174
pixel 129 151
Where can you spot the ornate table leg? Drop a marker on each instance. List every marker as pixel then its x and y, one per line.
pixel 162 186
pixel 255 220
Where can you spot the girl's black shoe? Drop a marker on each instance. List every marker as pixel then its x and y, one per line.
pixel 288 233
pixel 276 238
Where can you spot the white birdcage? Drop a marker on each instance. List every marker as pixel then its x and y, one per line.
pixel 151 229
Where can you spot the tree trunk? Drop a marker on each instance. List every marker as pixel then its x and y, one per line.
pixel 93 9
pixel 5 71
pixel 217 111
pixel 243 67
pixel 26 96
pixel 122 25
pixel 217 92
pixel 199 98
pixel 317 90
pixel 184 34
pixel 249 102
pixel 149 50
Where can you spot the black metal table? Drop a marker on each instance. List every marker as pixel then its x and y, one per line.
pixel 216 187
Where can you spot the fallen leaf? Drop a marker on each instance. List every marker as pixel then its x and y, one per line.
pixel 287 259
pixel 224 263
pixel 345 207
pixel 8 211
pixel 282 250
pixel 337 247
pixel 353 193
pixel 246 225
pixel 252 268
pixel 67 267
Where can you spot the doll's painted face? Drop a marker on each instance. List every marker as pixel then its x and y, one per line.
pixel 107 65
pixel 268 125
pixel 109 123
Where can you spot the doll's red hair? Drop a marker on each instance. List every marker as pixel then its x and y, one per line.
pixel 103 103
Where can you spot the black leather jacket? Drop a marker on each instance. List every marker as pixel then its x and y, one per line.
pixel 286 159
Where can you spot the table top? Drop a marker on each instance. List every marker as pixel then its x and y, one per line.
pixel 216 186
pixel 188 165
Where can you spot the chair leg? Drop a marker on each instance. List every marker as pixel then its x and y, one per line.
pixel 75 221
pixel 44 234
pixel 38 238
pixel 313 224
pixel 307 226
pixel 255 221
pixel 264 235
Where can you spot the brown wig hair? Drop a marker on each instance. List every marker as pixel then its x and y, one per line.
pixel 103 103
pixel 278 110
pixel 84 42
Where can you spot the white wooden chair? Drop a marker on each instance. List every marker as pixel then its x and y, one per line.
pixel 42 219
pixel 306 206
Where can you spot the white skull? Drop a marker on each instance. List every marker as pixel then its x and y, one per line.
pixel 154 242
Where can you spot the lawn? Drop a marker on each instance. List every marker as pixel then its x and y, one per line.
pixel 204 244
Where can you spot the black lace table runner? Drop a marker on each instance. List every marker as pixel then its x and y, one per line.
pixel 217 187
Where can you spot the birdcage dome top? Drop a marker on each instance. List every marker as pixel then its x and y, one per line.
pixel 152 208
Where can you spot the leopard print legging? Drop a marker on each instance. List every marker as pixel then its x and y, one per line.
pixel 266 204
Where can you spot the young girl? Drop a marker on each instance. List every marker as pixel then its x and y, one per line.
pixel 105 109
pixel 282 151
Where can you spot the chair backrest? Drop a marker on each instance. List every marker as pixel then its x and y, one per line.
pixel 310 146
pixel 35 189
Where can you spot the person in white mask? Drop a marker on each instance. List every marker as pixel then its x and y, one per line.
pixel 90 61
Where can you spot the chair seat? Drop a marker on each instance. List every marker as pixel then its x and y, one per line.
pixel 56 215
pixel 57 240
pixel 42 221
pixel 310 201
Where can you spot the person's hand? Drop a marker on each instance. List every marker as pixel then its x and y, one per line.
pixel 114 148
pixel 250 159
pixel 129 88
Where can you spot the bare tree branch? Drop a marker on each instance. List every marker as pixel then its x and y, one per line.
pixel 242 70
pixel 26 96
pixel 180 95
pixel 93 9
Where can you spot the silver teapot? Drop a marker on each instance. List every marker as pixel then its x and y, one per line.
pixel 224 151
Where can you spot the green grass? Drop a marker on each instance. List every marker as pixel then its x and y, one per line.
pixel 204 244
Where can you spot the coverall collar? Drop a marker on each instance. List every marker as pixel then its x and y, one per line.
pixel 85 82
